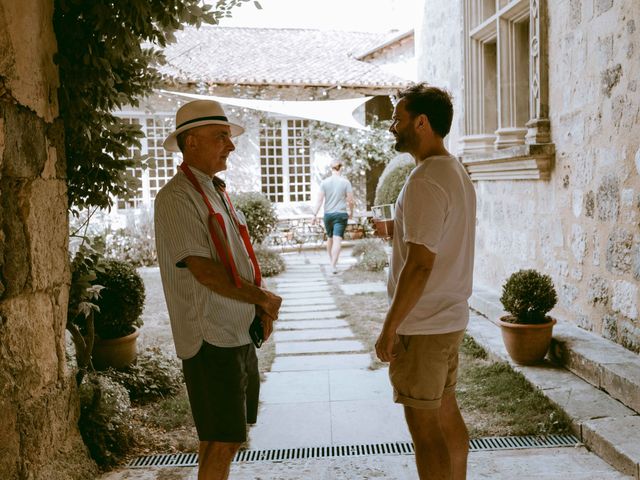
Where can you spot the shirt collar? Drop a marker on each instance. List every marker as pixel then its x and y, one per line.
pixel 205 179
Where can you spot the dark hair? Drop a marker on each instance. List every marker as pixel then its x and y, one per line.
pixel 431 101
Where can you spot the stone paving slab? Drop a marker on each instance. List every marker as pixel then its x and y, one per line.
pixel 360 288
pixel 308 295
pixel 292 425
pixel 358 384
pixel 305 308
pixel 315 315
pixel 319 346
pixel 302 289
pixel 308 302
pixel 357 422
pixel 321 362
pixel 316 334
pixel 281 324
pixel 295 387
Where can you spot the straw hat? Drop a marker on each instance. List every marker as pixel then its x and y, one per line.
pixel 196 114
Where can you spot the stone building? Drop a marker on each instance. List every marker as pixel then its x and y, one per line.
pixel 263 76
pixel 39 402
pixel 548 124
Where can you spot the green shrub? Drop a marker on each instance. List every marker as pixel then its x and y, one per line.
pixel 153 376
pixel 271 262
pixel 259 213
pixel 121 300
pixel 392 180
pixel 371 255
pixel 105 419
pixel 528 295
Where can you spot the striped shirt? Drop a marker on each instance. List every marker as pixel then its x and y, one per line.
pixel 196 312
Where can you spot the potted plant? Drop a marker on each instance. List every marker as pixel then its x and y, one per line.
pixel 527 295
pixel 118 316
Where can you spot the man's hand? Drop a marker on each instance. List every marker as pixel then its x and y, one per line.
pixel 314 220
pixel 384 346
pixel 270 306
pixel 267 322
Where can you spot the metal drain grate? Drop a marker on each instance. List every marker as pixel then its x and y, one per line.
pixel 398 448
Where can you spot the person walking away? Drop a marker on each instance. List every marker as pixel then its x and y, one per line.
pixel 430 281
pixel 212 286
pixel 337 195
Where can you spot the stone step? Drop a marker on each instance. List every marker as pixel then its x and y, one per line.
pixel 604 424
pixel 310 324
pixel 321 362
pixel 319 346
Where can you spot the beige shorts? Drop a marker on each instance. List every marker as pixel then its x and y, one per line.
pixel 425 367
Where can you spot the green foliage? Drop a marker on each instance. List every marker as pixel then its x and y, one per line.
pixel 271 262
pixel 371 255
pixel 528 295
pixel 105 419
pixel 135 244
pixel 121 300
pixel 172 413
pixel 392 180
pixel 357 149
pixel 259 213
pixel 471 348
pixel 108 51
pixel 153 376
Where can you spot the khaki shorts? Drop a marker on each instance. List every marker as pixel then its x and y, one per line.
pixel 425 367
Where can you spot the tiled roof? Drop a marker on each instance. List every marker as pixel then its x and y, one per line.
pixel 270 56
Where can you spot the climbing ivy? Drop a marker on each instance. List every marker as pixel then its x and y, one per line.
pixel 108 53
pixel 358 150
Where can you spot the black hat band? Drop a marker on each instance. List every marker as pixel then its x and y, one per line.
pixel 200 119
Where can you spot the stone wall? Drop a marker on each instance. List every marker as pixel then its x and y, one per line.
pixel 581 226
pixel 38 433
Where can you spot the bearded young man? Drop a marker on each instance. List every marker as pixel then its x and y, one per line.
pixel 430 281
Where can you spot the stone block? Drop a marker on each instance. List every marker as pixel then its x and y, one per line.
pixel 616 441
pixel 624 298
pixel 25 151
pixel 9 437
pixel 30 344
pixel 607 199
pixel 16 266
pixel 622 381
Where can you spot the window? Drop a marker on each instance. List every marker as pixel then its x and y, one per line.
pixel 285 160
pixel 505 90
pixel 161 166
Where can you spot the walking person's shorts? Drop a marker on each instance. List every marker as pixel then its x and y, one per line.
pixel 223 386
pixel 425 367
pixel 335 224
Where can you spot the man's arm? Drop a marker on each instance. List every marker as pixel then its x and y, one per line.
pixel 350 203
pixel 318 205
pixel 411 283
pixel 214 276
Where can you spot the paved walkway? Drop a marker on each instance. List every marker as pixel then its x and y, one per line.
pixel 321 392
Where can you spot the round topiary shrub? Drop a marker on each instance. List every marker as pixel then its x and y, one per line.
pixel 528 295
pixel 271 262
pixel 392 180
pixel 259 213
pixel 121 300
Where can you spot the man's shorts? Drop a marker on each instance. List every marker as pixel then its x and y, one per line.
pixel 223 386
pixel 425 367
pixel 335 224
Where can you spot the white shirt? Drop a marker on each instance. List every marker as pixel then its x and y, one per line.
pixel 196 312
pixel 437 208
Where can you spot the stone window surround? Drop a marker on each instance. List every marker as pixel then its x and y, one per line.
pixel 512 152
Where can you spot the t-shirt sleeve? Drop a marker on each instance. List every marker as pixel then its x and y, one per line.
pixel 349 187
pixel 180 229
pixel 425 208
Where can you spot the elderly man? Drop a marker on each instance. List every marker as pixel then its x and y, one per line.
pixel 212 285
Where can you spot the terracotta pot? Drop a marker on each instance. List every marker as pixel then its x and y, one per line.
pixel 526 344
pixel 115 352
pixel 384 228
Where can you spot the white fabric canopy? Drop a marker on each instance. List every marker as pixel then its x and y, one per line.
pixel 339 112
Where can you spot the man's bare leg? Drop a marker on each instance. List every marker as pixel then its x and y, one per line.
pixel 214 460
pixel 329 249
pixel 335 251
pixel 432 453
pixel 456 435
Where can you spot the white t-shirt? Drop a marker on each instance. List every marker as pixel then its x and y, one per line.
pixel 437 208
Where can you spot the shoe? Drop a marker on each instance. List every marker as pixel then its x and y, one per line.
pixel 335 270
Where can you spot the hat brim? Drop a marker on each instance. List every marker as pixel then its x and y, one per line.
pixel 171 142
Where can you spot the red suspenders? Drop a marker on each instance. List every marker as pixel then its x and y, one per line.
pixel 222 244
